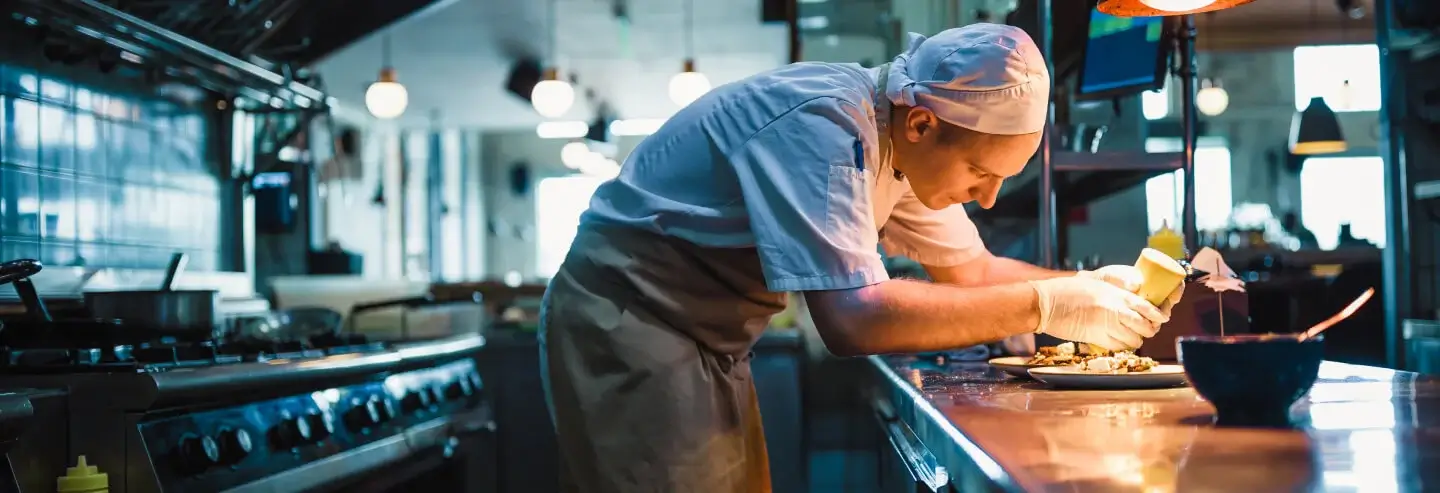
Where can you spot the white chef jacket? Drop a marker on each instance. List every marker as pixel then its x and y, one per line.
pixel 787 162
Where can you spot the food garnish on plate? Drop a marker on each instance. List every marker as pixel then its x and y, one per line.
pixel 1091 359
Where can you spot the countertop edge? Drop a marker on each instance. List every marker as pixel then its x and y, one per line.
pixel 923 409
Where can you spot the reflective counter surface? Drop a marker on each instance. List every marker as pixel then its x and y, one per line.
pixel 1360 429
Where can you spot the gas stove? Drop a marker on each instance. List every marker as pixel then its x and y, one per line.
pixel 164 355
pixel 253 416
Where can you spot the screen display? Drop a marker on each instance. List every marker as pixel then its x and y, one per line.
pixel 1121 52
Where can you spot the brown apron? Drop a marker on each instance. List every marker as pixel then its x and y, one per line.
pixel 645 343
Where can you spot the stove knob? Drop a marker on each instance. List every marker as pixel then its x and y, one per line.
pixel 199 453
pixel 475 382
pixel 437 393
pixel 363 415
pixel 415 400
pixel 292 432
pixel 388 410
pixel 235 445
pixel 459 389
pixel 321 425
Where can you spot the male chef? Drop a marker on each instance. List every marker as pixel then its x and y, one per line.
pixel 788 181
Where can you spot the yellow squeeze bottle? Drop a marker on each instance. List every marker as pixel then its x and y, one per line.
pixel 1167 241
pixel 83 478
pixel 1161 274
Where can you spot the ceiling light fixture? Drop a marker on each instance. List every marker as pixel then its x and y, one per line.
pixel 1152 8
pixel 1316 130
pixel 552 96
pixel 386 98
pixel 1212 99
pixel 688 85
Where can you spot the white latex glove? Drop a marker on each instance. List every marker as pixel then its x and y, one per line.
pixel 1095 312
pixel 1128 277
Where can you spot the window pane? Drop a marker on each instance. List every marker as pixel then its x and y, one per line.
pixel 1213 199
pixel 1340 190
pixel 1155 104
pixel 558 205
pixel 1322 71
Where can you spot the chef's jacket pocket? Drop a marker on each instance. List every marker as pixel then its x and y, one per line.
pixel 847 211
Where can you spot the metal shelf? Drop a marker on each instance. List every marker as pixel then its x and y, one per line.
pixel 1082 178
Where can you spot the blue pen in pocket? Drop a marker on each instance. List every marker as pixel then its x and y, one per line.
pixel 859 154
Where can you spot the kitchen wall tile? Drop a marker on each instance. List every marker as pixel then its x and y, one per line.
pixel 64 254
pixel 23 132
pixel 57 206
pixel 103 178
pixel 22 202
pixel 14 248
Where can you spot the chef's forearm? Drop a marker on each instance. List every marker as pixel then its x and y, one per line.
pixel 990 270
pixel 1001 270
pixel 900 316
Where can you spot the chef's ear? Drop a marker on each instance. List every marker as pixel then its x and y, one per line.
pixel 920 122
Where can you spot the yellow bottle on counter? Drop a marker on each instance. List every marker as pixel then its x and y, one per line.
pixel 1168 242
pixel 83 478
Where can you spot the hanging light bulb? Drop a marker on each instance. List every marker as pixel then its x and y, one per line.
pixel 1151 8
pixel 386 98
pixel 552 97
pixel 1212 99
pixel 574 155
pixel 1177 5
pixel 688 85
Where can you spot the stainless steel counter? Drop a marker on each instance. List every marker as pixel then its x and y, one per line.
pixel 1364 429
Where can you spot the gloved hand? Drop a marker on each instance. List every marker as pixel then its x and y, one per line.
pixel 1128 277
pixel 1125 277
pixel 1085 310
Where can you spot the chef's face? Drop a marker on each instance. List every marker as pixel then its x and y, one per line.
pixel 949 165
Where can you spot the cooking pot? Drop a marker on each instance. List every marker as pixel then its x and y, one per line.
pixel 189 313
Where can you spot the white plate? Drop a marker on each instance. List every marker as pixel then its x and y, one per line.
pixel 1015 365
pixel 1162 376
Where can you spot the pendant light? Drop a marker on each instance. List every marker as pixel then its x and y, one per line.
pixel 552 97
pixel 1316 130
pixel 1152 8
pixel 1211 99
pixel 386 98
pixel 688 85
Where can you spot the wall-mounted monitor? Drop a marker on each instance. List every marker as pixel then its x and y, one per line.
pixel 1123 56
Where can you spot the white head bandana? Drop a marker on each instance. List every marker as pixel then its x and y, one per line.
pixel 989 78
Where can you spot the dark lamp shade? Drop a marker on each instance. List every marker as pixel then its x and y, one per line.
pixel 1138 8
pixel 1316 130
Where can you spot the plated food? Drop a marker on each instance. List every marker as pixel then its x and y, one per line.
pixel 1076 358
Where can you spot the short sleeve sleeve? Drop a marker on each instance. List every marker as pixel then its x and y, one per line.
pixel 940 238
pixel 807 193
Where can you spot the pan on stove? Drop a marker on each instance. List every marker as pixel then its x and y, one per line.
pixel 37 328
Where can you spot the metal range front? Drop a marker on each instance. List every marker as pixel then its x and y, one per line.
pixel 310 441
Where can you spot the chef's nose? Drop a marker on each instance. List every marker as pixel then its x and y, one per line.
pixel 987 192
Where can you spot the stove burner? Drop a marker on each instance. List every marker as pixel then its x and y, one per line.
pixel 163 355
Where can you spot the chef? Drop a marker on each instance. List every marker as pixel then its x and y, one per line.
pixel 788 181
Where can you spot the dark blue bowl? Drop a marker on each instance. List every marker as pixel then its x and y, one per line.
pixel 1252 380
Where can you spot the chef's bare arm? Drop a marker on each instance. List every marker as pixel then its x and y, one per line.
pixel 989 270
pixel 903 316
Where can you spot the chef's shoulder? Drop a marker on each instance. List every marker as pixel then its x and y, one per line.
pixel 808 90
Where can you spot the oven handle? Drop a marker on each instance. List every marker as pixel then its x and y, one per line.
pixel 437 432
pixel 925 470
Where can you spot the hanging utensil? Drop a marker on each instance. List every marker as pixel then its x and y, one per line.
pixel 1349 310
